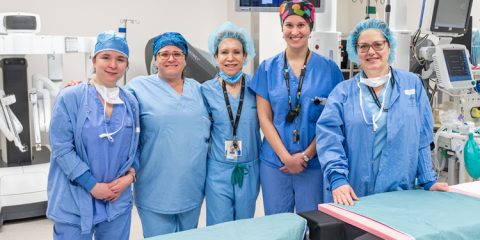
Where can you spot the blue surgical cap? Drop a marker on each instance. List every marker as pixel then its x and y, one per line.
pixel 169 39
pixel 376 24
pixel 230 30
pixel 111 40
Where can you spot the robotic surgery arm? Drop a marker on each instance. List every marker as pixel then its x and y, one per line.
pixel 40 97
pixel 10 126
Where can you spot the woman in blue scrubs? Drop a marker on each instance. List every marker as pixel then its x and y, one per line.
pixel 94 135
pixel 233 182
pixel 376 129
pixel 291 89
pixel 174 141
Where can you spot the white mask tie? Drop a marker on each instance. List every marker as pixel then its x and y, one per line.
pixel 379 114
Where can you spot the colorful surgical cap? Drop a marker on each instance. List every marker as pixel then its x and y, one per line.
pixel 111 40
pixel 302 8
pixel 230 30
pixel 376 24
pixel 169 39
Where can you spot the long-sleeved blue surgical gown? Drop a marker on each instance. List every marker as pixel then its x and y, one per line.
pixel 77 121
pixel 173 145
pixel 345 142
pixel 227 201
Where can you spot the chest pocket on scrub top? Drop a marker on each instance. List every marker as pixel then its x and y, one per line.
pixel 128 123
pixel 412 100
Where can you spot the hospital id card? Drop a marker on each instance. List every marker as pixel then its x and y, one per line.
pixel 232 152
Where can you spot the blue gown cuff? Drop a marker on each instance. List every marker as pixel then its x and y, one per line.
pixel 337 180
pixel 135 166
pixel 86 180
pixel 428 185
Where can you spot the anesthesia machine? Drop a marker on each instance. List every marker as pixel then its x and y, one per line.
pixel 447 71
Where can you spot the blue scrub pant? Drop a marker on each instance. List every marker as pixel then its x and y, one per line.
pixel 119 229
pixel 154 223
pixel 227 202
pixel 284 192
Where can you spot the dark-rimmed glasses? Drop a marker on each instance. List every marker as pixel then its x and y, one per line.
pixel 377 46
pixel 166 55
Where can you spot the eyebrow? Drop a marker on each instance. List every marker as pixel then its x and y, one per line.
pixel 300 21
pixel 370 42
pixel 166 51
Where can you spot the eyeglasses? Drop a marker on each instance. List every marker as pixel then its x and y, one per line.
pixel 166 55
pixel 377 46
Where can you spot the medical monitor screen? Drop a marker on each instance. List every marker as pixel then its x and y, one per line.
pixel 268 5
pixel 20 22
pixel 457 65
pixel 451 16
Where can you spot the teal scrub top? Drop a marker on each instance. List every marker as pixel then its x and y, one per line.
pixel 248 131
pixel 321 76
pixel 173 145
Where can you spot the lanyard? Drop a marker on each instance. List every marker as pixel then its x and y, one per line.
pixel 287 81
pixel 229 108
pixel 374 95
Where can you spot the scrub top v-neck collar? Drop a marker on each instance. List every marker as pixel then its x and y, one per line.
pixel 170 89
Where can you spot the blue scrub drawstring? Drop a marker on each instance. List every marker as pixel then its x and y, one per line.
pixel 237 174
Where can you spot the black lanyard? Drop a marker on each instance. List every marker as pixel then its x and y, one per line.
pixel 239 110
pixel 374 95
pixel 300 83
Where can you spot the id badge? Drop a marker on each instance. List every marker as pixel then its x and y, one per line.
pixel 232 152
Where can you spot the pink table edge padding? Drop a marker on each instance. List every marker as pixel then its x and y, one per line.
pixel 376 228
pixel 465 192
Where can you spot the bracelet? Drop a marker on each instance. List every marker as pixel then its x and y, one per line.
pixel 305 157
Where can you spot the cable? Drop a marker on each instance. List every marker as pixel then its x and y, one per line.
pixel 420 22
pixel 417 40
pixel 434 91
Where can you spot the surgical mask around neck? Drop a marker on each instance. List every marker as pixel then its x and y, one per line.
pixel 380 112
pixel 376 81
pixel 109 95
pixel 230 79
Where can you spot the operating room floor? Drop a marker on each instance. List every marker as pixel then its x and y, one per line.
pixel 41 228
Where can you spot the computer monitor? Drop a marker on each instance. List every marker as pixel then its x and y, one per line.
pixel 452 67
pixel 19 22
pixel 466 38
pixel 448 17
pixel 270 5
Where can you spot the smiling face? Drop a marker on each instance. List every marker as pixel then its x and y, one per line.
pixel 109 67
pixel 230 56
pixel 296 31
pixel 373 60
pixel 170 61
